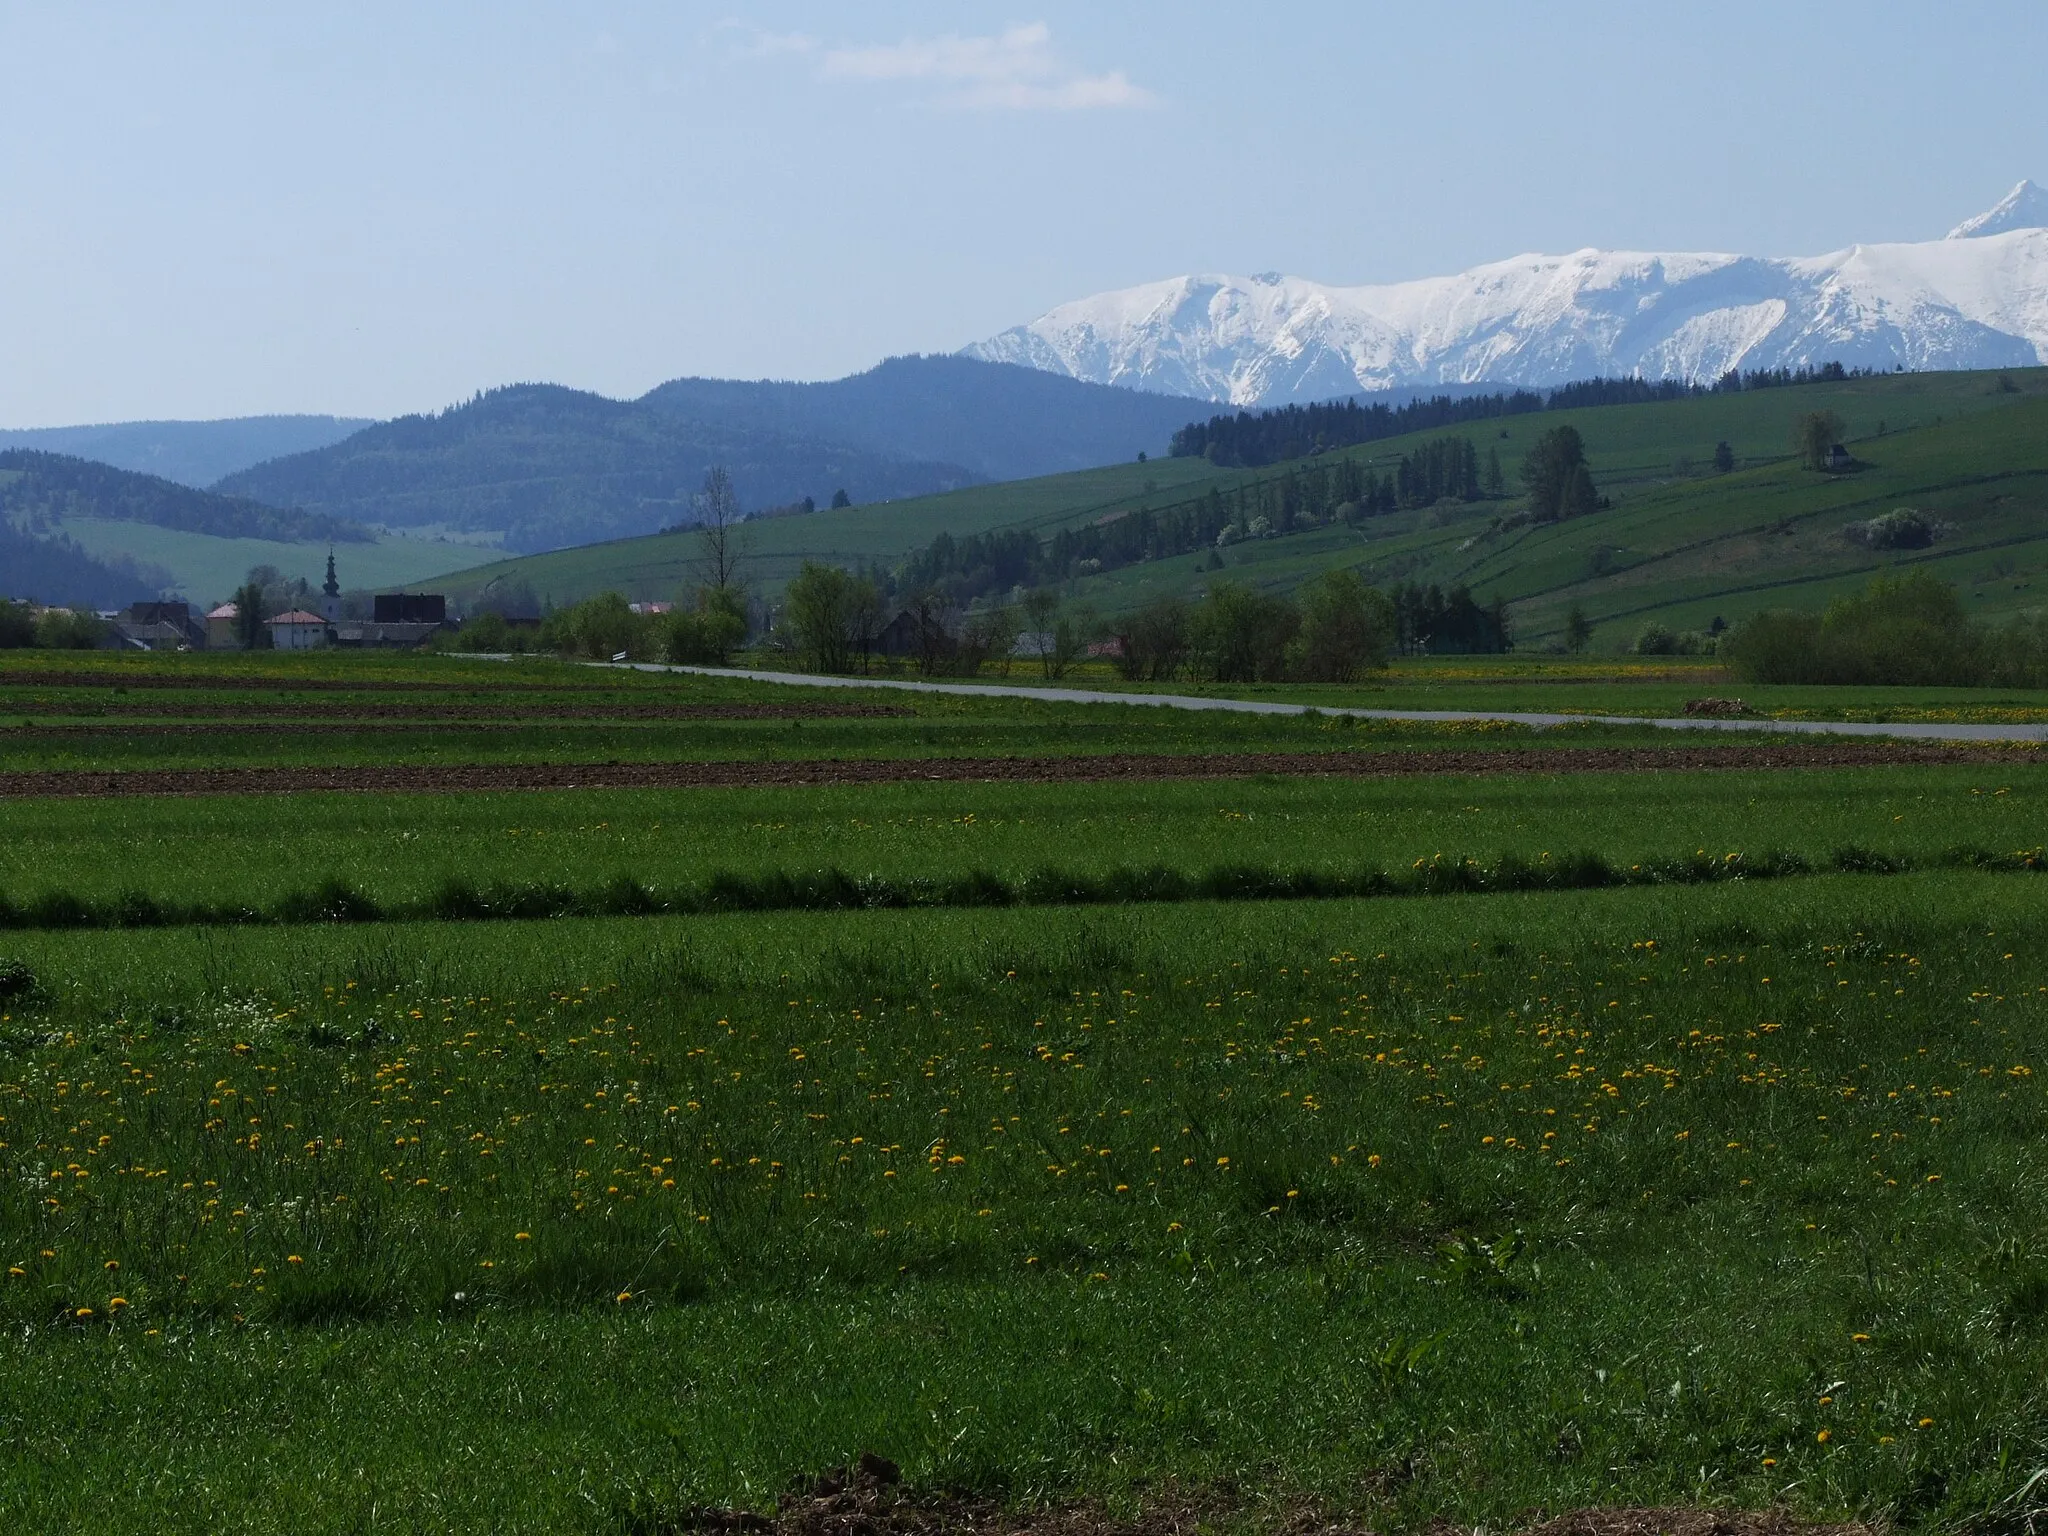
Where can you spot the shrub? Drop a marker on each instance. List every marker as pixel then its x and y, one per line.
pixel 1656 640
pixel 1902 629
pixel 709 632
pixel 598 627
pixel 17 627
pixel 1900 528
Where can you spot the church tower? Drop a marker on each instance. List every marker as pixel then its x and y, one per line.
pixel 330 590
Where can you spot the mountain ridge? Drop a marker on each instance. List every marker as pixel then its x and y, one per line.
pixel 1979 300
pixel 550 466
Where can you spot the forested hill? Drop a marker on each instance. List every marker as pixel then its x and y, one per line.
pixel 194 453
pixel 1001 421
pixel 38 490
pixel 55 570
pixel 551 467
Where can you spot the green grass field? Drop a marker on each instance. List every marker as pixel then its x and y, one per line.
pixel 1709 1190
pixel 1679 545
pixel 1436 1210
pixel 207 569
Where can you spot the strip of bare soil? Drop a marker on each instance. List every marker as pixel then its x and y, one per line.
pixel 262 712
pixel 112 678
pixel 869 1500
pixel 443 779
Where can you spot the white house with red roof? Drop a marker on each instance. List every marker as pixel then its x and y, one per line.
pixel 298 630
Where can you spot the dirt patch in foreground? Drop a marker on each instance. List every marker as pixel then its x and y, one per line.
pixel 404 778
pixel 870 1500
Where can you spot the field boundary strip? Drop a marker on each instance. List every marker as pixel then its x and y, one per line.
pixel 835 890
pixel 421 778
pixel 1915 730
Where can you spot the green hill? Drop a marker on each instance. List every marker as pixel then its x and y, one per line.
pixel 1678 541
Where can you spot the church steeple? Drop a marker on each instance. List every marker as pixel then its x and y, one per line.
pixel 330 603
pixel 331 587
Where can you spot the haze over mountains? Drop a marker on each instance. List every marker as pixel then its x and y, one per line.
pixel 545 466
pixel 1978 299
pixel 194 453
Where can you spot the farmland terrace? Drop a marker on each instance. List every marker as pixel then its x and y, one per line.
pixel 1063 1117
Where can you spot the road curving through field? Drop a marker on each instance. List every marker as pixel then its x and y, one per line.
pixel 1916 730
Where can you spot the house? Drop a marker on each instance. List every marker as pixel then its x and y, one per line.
pixel 410 608
pixel 220 628
pixel 159 626
pixel 650 610
pixel 901 636
pixel 1838 458
pixel 396 618
pixel 298 630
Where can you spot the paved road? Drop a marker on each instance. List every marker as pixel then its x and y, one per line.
pixel 1914 730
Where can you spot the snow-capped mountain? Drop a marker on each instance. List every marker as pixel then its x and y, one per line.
pixel 1978 299
pixel 2024 207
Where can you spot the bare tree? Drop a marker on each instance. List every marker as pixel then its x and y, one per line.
pixel 719 531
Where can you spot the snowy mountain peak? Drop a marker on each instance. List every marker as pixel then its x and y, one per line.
pixel 1980 302
pixel 2024 207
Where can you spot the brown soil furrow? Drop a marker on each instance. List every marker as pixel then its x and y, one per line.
pixel 112 678
pixel 263 712
pixel 1128 767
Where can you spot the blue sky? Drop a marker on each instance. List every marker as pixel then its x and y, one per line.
pixel 216 209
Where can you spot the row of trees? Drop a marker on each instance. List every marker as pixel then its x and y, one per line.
pixel 1335 628
pixel 1248 439
pixel 1303 496
pixel 1905 629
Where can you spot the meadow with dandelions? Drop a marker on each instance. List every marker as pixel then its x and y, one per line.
pixel 1455 1206
pixel 1455 1136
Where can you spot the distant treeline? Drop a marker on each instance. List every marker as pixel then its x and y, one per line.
pixel 1304 495
pixel 1249 439
pixel 36 487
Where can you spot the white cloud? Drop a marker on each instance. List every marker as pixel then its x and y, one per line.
pixel 1017 69
pixel 753 43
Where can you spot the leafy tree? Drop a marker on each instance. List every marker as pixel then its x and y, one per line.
pixel 250 612
pixel 68 629
pixel 17 626
pixel 598 627
pixel 1724 458
pixel 832 615
pixel 989 633
pixel 1580 497
pixel 841 499
pixel 1242 634
pixel 1814 434
pixel 1903 629
pixel 1152 644
pixel 1549 471
pixel 1578 629
pixel 1346 627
